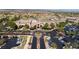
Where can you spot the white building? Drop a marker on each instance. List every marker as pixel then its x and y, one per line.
pixel 73 19
pixel 31 22
pixel 20 22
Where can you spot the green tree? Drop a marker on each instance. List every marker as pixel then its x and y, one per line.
pixel 1 27
pixel 61 25
pixel 4 19
pixel 16 18
pixel 45 26
pixel 32 28
pixel 52 25
pixel 78 23
pixel 12 25
pixel 26 26
pixel 2 41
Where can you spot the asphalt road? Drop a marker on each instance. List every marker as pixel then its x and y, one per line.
pixel 34 42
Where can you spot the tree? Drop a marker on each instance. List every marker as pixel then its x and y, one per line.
pixel 26 26
pixel 52 25
pixel 78 23
pixel 54 45
pixel 12 25
pixel 2 41
pixel 32 28
pixel 21 26
pixel 61 25
pixel 15 18
pixel 1 27
pixel 4 19
pixel 45 26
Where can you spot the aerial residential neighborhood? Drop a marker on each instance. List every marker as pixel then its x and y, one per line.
pixel 38 29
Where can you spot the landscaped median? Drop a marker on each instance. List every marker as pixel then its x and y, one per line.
pixel 46 38
pixel 28 42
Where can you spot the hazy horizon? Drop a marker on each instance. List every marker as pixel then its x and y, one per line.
pixel 48 10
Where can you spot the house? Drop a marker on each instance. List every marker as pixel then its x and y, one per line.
pixel 32 22
pixel 21 22
pixel 72 19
